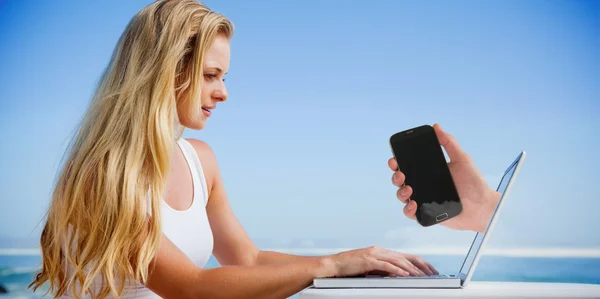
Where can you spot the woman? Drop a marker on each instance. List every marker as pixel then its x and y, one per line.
pixel 138 210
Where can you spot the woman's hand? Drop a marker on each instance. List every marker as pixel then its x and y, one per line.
pixel 379 260
pixel 478 200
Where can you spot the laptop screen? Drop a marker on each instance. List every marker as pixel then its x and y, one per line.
pixel 476 245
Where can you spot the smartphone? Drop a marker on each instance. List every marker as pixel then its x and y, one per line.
pixel 421 159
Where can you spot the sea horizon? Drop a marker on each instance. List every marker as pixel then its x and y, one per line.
pixel 546 252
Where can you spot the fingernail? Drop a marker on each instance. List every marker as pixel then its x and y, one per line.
pixel 410 206
pixel 404 192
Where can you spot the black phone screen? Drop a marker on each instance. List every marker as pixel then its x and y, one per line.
pixel 421 159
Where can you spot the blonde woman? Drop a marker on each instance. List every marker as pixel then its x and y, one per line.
pixel 137 210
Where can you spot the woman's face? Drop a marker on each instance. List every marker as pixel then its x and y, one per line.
pixel 213 90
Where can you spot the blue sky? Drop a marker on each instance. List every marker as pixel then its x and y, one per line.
pixel 316 89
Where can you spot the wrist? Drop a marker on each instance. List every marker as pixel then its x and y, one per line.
pixel 491 201
pixel 327 266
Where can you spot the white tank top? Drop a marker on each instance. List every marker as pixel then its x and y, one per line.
pixel 189 230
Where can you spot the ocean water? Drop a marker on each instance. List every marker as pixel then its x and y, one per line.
pixel 16 271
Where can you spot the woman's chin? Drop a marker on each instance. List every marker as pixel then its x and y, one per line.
pixel 196 125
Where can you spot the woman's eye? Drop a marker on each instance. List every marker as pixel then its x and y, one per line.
pixel 213 76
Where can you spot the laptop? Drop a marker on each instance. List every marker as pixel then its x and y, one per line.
pixel 451 280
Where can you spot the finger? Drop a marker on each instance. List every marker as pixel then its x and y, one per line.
pixel 410 267
pixel 400 260
pixel 398 178
pixel 421 264
pixel 424 267
pixel 389 268
pixel 449 143
pixel 410 209
pixel 404 194
pixel 433 269
pixel 393 164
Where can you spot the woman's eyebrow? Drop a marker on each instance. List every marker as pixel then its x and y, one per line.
pixel 218 69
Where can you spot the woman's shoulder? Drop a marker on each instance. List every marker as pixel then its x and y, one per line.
pixel 201 147
pixel 207 158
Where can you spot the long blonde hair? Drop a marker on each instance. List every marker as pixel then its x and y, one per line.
pixel 101 222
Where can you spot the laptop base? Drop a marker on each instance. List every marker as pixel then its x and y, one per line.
pixel 446 282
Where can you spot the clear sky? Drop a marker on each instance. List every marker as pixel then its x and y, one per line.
pixel 316 89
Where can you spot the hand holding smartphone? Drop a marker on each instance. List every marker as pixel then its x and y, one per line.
pixel 420 157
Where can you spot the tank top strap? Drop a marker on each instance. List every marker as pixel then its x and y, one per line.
pixel 197 171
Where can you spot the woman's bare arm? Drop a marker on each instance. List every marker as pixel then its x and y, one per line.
pixel 174 275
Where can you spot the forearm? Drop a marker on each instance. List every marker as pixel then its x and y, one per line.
pixel 491 205
pixel 273 258
pixel 264 281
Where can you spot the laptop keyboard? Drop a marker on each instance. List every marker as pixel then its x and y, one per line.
pixel 425 276
pixel 440 276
